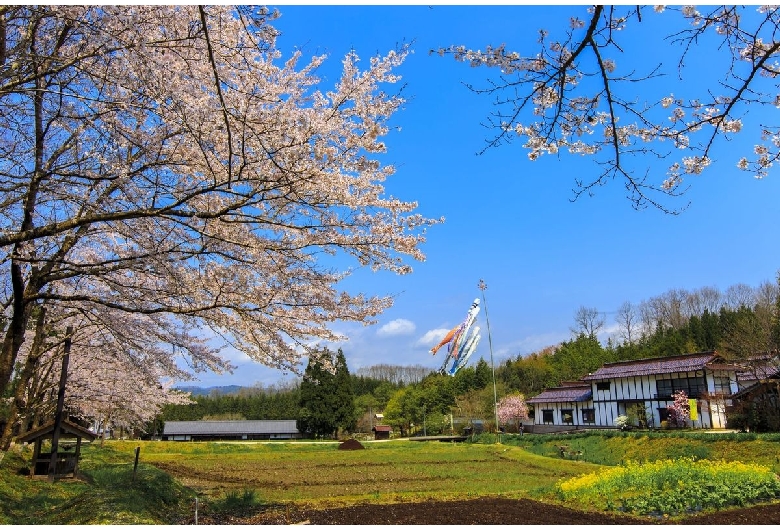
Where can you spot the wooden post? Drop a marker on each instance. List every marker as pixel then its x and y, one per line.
pixel 36 456
pixel 135 465
pixel 78 455
pixel 55 437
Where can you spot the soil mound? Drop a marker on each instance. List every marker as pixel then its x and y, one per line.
pixel 351 445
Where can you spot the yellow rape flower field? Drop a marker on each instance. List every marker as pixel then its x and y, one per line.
pixel 672 487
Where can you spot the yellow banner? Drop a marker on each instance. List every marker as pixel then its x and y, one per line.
pixel 694 413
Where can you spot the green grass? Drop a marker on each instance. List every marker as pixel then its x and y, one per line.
pixel 241 477
pixel 106 494
pixel 614 447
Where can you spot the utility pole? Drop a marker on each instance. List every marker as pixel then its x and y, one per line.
pixel 482 287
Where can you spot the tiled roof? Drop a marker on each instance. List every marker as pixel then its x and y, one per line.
pixel 757 373
pixel 230 427
pixel 756 379
pixel 664 365
pixel 568 393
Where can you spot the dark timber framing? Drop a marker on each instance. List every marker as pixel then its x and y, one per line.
pixel 621 388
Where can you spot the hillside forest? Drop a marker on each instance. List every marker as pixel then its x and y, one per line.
pixel 738 323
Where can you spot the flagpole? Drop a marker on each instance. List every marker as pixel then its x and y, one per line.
pixel 482 287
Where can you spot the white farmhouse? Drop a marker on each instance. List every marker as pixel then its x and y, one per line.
pixel 642 390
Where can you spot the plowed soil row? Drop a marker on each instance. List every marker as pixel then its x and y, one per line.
pixel 489 511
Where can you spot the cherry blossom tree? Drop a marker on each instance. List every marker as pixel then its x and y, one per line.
pixel 114 392
pixel 118 371
pixel 166 161
pixel 680 410
pixel 578 92
pixel 512 409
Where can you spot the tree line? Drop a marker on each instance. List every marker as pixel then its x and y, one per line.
pixel 739 323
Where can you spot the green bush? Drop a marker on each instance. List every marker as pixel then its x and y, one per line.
pixel 235 502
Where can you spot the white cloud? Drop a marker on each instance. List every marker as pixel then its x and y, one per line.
pixel 234 356
pixel 432 337
pixel 399 326
pixel 608 332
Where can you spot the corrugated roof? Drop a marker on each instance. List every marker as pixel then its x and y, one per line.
pixel 568 393
pixel 663 365
pixel 236 427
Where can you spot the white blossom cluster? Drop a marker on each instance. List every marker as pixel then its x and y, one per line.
pixel 512 408
pixel 573 97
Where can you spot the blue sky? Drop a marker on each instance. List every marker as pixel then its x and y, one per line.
pixel 511 221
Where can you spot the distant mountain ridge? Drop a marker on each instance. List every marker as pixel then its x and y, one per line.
pixel 206 391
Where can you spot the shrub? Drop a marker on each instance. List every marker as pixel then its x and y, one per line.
pixel 234 502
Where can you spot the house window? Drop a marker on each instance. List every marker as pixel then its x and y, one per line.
pixel 602 385
pixel 588 415
pixel 722 385
pixel 547 416
pixel 567 416
pixel 693 386
pixel 663 413
pixel 664 387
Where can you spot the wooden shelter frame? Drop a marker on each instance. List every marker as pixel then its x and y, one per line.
pixel 66 460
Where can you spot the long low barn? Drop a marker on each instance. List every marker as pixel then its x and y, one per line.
pixel 191 431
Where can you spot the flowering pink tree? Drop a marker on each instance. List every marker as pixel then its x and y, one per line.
pixel 680 410
pixel 166 161
pixel 512 409
pixel 576 92
pixel 118 372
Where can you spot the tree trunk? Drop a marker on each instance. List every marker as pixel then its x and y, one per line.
pixel 14 335
pixel 21 309
pixel 18 403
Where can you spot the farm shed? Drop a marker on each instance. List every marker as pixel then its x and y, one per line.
pixel 67 452
pixel 382 432
pixel 191 431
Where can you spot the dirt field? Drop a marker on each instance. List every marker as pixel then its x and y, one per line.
pixel 489 511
